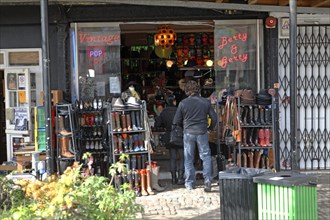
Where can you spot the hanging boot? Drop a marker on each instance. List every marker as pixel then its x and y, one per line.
pixel 61 128
pixel 123 122
pixel 174 178
pixel 133 118
pixel 113 122
pixel 149 188
pixel 143 182
pixel 64 147
pixel 181 180
pixel 154 179
pixel 117 118
pixel 128 122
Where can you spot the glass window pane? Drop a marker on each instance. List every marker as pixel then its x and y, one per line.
pixel 2 61
pixel 98 56
pixel 236 53
pixel 23 58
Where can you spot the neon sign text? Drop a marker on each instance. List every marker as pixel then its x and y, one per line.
pixel 108 39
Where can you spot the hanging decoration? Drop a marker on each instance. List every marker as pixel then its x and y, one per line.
pixel 165 37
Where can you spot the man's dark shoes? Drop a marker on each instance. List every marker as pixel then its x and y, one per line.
pixel 207 187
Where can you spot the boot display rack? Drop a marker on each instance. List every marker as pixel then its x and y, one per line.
pixel 66 149
pixel 127 131
pixel 92 133
pixel 256 149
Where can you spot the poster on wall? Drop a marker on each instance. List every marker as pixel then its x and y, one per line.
pixel 11 81
pixel 21 119
pixel 114 84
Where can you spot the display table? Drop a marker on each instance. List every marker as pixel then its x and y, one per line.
pixel 24 158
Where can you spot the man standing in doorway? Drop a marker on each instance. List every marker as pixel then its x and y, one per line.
pixel 192 114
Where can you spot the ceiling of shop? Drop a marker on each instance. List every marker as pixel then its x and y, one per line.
pixel 300 3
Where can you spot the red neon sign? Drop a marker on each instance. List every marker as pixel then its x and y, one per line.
pixel 230 43
pixel 107 39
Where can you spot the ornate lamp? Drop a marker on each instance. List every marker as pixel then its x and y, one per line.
pixel 165 37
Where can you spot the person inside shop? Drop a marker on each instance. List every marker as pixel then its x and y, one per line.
pixel 164 120
pixel 179 92
pixel 192 114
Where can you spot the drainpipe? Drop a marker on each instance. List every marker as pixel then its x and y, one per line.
pixel 46 83
pixel 293 85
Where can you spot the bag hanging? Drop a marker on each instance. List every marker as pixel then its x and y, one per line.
pixel 176 137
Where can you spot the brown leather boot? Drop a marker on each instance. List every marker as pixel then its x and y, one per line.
pixel 257 157
pixel 143 182
pixel 270 158
pixel 128 122
pixel 238 159
pixel 123 122
pixel 149 188
pixel 113 121
pixel 244 160
pixel 251 156
pixel 244 144
pixel 117 118
pixel 64 147
pixel 61 128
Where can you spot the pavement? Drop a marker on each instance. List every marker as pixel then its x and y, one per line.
pixel 176 202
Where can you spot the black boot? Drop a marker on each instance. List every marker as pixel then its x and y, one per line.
pixel 180 177
pixel 174 178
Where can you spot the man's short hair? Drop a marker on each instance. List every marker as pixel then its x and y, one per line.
pixel 192 88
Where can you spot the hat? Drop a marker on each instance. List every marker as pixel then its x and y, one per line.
pixel 117 103
pixel 132 102
pixel 189 73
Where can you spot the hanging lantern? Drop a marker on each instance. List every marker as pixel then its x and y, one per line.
pixel 165 37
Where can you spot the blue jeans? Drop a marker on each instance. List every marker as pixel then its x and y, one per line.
pixel 202 141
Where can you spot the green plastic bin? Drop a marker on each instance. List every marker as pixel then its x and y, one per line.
pixel 286 196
